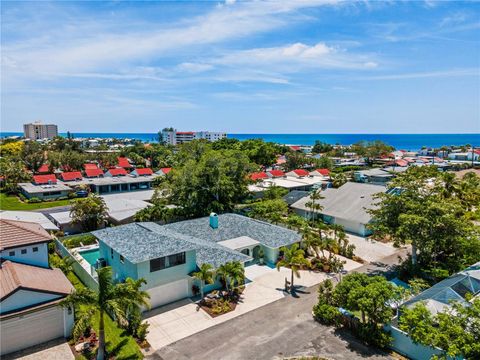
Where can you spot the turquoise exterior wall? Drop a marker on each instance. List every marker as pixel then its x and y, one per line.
pixel 167 275
pixel 120 270
pixel 270 255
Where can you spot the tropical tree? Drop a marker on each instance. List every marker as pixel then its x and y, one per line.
pixel 13 172
pixel 293 259
pixel 338 179
pixel 205 275
pixel 313 205
pixel 110 299
pixel 270 210
pixel 90 212
pixel 231 273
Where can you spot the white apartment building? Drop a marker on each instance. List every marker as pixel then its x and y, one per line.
pixel 39 130
pixel 173 137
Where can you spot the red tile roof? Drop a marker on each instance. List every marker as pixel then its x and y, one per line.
pixel 93 172
pixel 43 169
pixel 166 170
pixel 276 173
pixel 117 171
pixel 301 172
pixel 258 176
pixel 143 171
pixel 324 172
pixel 44 179
pixel 15 276
pixel 123 162
pixel 72 175
pixel 90 166
pixel 17 233
pixel 295 148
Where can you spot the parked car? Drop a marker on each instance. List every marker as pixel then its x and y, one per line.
pixel 82 193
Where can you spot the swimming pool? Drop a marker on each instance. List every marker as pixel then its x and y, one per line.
pixel 90 255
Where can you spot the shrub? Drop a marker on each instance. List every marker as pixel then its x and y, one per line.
pixel 77 240
pixel 327 314
pixel 34 200
pixel 142 331
pixel 374 335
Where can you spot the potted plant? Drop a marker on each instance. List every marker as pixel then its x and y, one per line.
pixel 261 255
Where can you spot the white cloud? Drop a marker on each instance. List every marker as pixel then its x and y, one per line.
pixel 194 67
pixel 428 74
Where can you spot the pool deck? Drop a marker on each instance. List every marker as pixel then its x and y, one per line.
pixel 76 253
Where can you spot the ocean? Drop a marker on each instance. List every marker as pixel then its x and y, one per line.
pixel 399 141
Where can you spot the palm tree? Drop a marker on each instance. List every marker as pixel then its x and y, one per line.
pixel 293 258
pixel 231 273
pixel 205 275
pixel 111 299
pixel 338 179
pixel 313 205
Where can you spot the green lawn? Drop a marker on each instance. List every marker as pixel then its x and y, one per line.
pixel 119 344
pixel 11 202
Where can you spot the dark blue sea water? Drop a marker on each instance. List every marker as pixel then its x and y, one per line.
pixel 399 141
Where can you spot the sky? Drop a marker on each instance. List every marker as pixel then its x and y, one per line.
pixel 302 66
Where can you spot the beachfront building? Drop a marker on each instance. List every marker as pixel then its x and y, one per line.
pixel 346 206
pixel 171 136
pixel 166 255
pixel 29 289
pixel 38 131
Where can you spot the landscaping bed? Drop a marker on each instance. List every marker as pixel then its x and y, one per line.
pixel 221 302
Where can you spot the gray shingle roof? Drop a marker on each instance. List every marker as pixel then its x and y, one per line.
pixel 232 226
pixel 348 202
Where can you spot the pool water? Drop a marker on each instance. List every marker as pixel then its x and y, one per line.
pixel 91 255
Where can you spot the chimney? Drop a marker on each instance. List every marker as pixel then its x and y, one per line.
pixel 213 220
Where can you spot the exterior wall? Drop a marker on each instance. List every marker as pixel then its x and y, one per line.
pixel 120 270
pixel 25 298
pixel 404 345
pixel 38 258
pixel 270 255
pixel 45 195
pixel 167 275
pixel 37 131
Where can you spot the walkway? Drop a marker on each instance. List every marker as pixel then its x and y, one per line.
pixel 52 350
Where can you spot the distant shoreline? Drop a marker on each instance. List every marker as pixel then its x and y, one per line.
pixel 399 141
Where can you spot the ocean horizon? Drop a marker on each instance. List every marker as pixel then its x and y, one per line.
pixel 398 141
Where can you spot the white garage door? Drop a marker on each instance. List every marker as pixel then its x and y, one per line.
pixel 168 293
pixel 351 226
pixel 31 329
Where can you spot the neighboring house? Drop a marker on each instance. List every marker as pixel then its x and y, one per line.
pixel 299 173
pixel 163 171
pixel 166 255
pixel 123 162
pixel 373 176
pixel 29 216
pixel 93 173
pixel 29 290
pixel 116 172
pixel 142 172
pixel 24 242
pixel 275 173
pixel 346 206
pixel 437 299
pixel 323 173
pixel 71 176
pixel 44 179
pixel 258 176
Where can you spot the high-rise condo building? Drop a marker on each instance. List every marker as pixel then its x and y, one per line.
pixel 39 130
pixel 171 136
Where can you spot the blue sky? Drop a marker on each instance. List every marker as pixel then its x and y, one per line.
pixel 242 67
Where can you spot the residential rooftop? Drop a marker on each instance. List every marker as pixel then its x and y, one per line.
pixel 19 233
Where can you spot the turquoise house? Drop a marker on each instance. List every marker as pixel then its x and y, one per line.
pixel 166 255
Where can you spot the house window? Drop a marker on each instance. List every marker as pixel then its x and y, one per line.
pixel 11 253
pixel 35 249
pixel 111 253
pixel 24 251
pixel 157 264
pixel 122 259
pixel 176 259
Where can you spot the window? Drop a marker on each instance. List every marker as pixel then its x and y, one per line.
pixel 24 251
pixel 111 253
pixel 177 259
pixel 35 249
pixel 11 253
pixel 122 259
pixel 157 264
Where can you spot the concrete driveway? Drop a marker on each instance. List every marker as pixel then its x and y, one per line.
pixel 183 318
pixel 52 350
pixel 370 250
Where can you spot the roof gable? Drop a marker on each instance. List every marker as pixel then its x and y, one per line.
pixel 117 172
pixel 44 179
pixel 72 175
pixel 143 171
pixel 17 233
pixel 93 172
pixel 258 176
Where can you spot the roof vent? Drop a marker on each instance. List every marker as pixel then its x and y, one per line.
pixel 213 220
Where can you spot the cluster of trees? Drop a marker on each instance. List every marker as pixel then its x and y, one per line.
pixel 368 296
pixel 231 274
pixel 432 211
pixel 456 330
